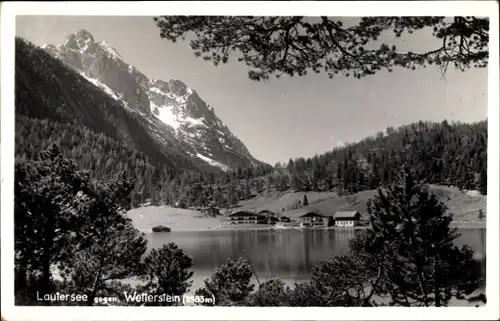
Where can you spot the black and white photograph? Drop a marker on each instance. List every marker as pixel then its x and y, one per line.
pixel 211 160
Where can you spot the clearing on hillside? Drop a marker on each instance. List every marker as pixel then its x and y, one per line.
pixel 464 205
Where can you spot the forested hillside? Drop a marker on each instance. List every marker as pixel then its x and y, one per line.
pixel 439 152
pixel 106 157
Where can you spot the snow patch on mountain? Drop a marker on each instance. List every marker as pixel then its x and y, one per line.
pixel 158 91
pixel 195 121
pixel 213 162
pixel 166 115
pixel 105 88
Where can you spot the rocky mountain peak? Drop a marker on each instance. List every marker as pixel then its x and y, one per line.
pixel 178 87
pixel 170 102
pixel 79 41
pixel 84 35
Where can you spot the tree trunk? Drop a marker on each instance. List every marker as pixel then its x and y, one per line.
pixel 97 282
pixel 366 301
pixel 20 278
pixel 46 260
pixel 437 296
pixel 419 266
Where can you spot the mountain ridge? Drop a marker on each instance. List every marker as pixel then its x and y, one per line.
pixel 189 119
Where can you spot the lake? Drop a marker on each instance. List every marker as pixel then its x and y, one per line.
pixel 287 254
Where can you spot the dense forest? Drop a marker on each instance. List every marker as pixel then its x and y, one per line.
pixel 439 152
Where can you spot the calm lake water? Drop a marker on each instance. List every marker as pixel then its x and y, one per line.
pixel 287 254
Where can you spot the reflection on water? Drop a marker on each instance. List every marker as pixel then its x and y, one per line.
pixel 288 254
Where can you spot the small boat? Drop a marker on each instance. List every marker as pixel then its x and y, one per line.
pixel 161 228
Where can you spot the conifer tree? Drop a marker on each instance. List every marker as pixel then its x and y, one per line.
pixel 230 284
pixel 481 215
pixel 272 293
pixel 60 215
pixel 273 46
pixel 246 190
pixel 48 193
pixel 115 255
pixel 231 196
pixel 167 271
pixel 412 227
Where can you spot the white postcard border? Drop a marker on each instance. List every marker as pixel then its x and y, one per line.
pixel 355 8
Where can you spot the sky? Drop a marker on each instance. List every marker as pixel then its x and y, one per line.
pixel 286 117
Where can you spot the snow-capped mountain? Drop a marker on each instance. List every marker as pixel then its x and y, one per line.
pixel 174 113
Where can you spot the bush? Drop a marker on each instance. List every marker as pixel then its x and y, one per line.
pixel 272 293
pixel 230 284
pixel 161 228
pixel 167 272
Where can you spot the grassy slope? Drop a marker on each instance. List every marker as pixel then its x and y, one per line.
pixel 145 218
pixel 276 201
pixel 465 208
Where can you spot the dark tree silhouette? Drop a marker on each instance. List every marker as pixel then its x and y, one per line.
pixel 115 256
pixel 305 202
pixel 298 45
pixel 65 220
pixel 167 271
pixel 47 193
pixel 272 293
pixel 422 267
pixel 230 284
pixel 350 279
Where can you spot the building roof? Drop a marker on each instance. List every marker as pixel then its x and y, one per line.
pixel 266 211
pixel 346 214
pixel 296 213
pixel 312 214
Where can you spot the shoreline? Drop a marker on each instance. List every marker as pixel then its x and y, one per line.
pixel 465 209
pixel 255 227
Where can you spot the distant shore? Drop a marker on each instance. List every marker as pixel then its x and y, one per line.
pixel 466 209
pixel 179 220
pixel 255 227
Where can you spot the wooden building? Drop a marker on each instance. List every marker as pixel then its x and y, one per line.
pixel 247 217
pixel 284 219
pixel 271 216
pixel 267 213
pixel 315 219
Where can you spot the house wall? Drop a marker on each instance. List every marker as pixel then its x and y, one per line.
pixel 316 221
pixel 248 219
pixel 346 223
